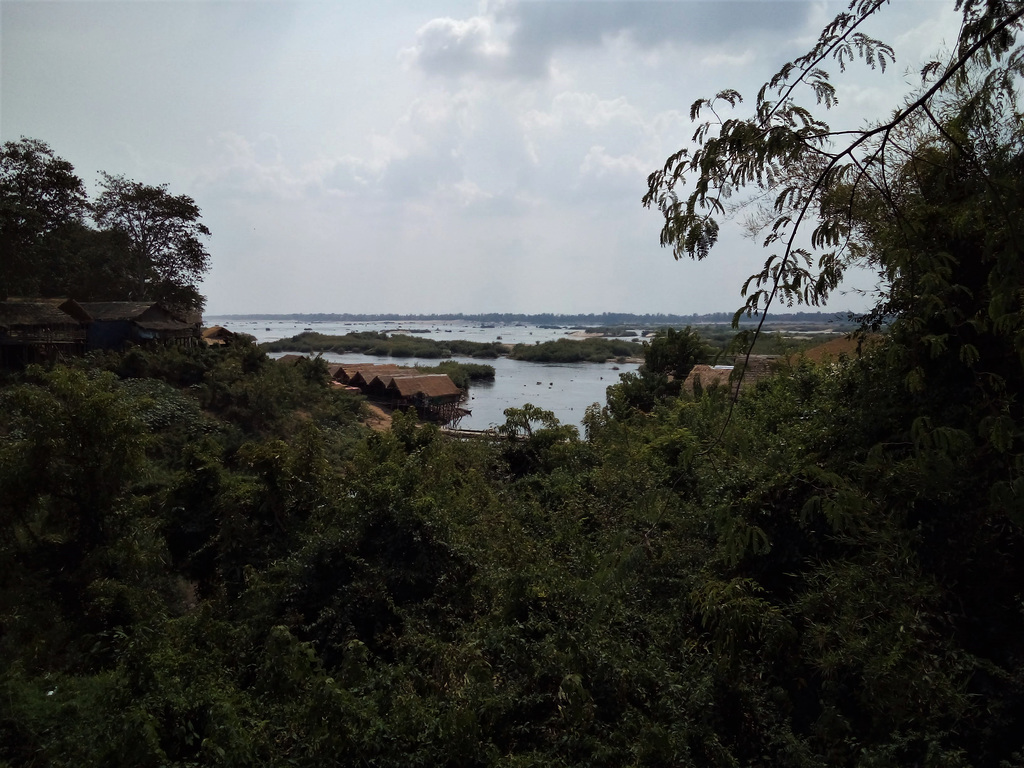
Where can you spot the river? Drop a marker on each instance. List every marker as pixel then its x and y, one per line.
pixel 566 389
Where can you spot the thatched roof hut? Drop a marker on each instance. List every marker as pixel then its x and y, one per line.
pixel 703 377
pixel 41 330
pixel 217 336
pixel 116 323
pixel 348 372
pixel 758 367
pixel 846 346
pixel 434 396
pixel 743 375
pixel 377 385
pixel 433 387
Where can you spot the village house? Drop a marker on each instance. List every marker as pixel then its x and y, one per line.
pixel 364 375
pixel 41 331
pixel 434 396
pixel 217 336
pixel 753 369
pixel 347 374
pixel 116 324
pixel 34 330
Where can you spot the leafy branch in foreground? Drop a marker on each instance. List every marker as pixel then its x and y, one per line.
pixel 802 173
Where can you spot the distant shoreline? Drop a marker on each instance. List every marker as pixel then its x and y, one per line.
pixel 605 319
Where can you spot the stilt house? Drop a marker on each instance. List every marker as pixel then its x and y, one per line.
pixel 41 331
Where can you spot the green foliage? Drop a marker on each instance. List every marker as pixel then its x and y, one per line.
pixel 71 445
pixel 462 374
pixel 574 351
pixel 166 255
pixel 205 560
pixel 40 196
pixel 674 353
pixel 147 247
pixel 381 344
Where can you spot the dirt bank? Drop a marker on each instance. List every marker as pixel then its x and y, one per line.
pixel 377 419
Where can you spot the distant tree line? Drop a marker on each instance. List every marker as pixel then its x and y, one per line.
pixel 607 319
pixel 132 242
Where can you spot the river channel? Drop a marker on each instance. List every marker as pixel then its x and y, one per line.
pixel 566 389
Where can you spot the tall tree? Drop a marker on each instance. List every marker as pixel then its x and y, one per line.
pixel 39 196
pixel 675 352
pixel 164 231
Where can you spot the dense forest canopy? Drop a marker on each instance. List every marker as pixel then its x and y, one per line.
pixel 147 244
pixel 206 559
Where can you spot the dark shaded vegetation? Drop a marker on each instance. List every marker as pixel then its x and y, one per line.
pixel 147 244
pixel 204 559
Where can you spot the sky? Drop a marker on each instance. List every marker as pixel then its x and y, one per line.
pixel 432 156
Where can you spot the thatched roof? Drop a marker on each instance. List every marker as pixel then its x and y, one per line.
pixel 849 346
pixel 362 375
pixel 388 376
pixel 217 335
pixel 116 310
pixel 708 376
pixel 165 325
pixel 24 313
pixel 30 323
pixel 430 385
pixel 217 332
pixel 146 314
pixel 757 368
pixel 290 359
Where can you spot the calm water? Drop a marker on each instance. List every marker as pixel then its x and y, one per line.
pixel 272 330
pixel 565 388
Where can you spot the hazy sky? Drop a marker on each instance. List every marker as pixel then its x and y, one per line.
pixel 428 155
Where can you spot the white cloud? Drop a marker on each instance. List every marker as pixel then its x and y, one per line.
pixel 512 145
pixel 452 47
pixel 522 39
pixel 724 59
pixel 601 164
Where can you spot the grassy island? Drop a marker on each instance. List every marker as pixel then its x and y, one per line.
pixel 383 345
pixel 575 351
